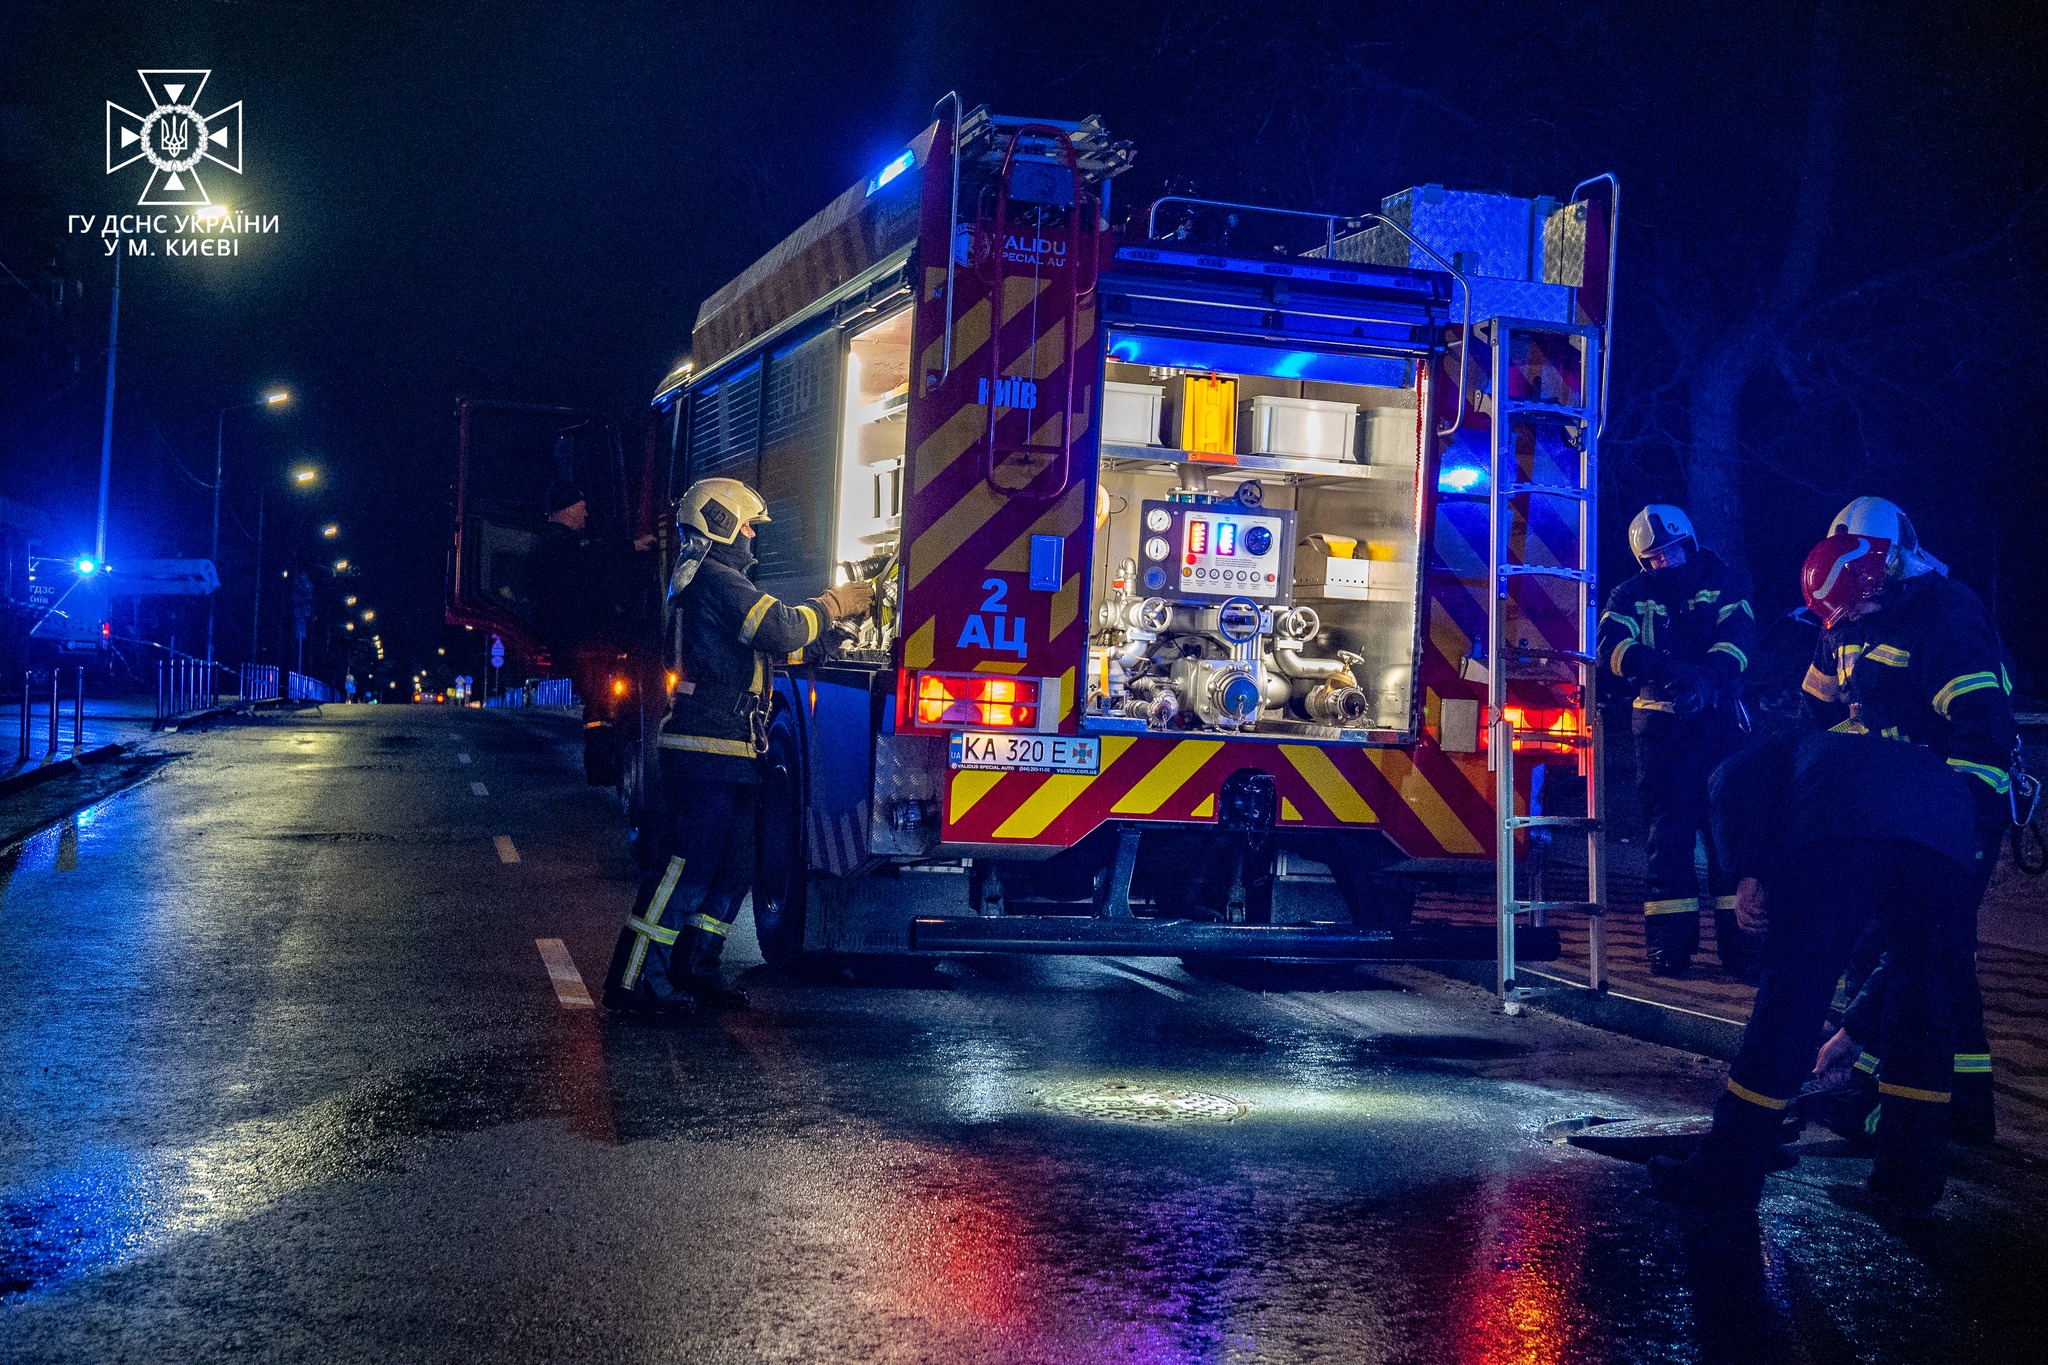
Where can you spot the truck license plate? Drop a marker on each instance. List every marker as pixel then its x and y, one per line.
pixel 1026 753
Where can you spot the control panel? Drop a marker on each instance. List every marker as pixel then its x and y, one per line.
pixel 1210 551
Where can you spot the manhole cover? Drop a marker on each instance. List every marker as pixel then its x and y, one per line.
pixel 1127 1102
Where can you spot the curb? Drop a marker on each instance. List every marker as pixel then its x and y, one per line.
pixel 1650 1021
pixel 35 777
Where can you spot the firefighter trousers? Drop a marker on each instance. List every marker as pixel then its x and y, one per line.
pixel 1674 759
pixel 703 868
pixel 1864 1018
pixel 1817 908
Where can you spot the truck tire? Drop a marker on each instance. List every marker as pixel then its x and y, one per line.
pixel 781 881
pixel 639 788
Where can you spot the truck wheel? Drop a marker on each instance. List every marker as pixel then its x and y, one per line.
pixel 781 884
pixel 639 788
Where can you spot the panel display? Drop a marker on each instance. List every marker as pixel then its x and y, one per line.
pixel 1208 552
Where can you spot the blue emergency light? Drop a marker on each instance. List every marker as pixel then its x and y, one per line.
pixel 903 162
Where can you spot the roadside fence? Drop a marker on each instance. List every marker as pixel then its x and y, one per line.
pixel 184 687
pixel 540 692
pixel 32 685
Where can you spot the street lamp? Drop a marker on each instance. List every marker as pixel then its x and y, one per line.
pixel 330 530
pixel 301 477
pixel 220 426
pixel 341 566
pixel 369 616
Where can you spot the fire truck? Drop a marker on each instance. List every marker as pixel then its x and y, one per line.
pixel 1235 564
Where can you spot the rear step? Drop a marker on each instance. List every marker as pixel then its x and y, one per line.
pixel 1104 937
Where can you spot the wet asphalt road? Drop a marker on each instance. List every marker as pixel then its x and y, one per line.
pixel 286 1078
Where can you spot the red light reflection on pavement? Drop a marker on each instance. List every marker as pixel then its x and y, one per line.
pixel 1521 1291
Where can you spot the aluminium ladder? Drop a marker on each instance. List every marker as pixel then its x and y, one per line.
pixel 1577 424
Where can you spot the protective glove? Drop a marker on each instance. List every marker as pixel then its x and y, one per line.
pixel 847 599
pixel 1692 691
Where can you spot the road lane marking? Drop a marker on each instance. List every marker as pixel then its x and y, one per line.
pixel 479 789
pixel 567 981
pixel 1112 967
pixel 506 852
pixel 462 759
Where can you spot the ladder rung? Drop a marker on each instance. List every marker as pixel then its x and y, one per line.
pixel 1544 571
pixel 1547 490
pixel 1537 656
pixel 1542 737
pixel 1584 822
pixel 1559 410
pixel 1576 907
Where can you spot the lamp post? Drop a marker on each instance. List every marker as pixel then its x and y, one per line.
pixel 220 427
pixel 300 477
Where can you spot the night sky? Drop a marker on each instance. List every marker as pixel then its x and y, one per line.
pixel 529 200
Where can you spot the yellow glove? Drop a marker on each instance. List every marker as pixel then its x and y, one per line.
pixel 847 599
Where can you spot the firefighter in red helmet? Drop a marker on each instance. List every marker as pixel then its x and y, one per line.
pixel 1679 635
pixel 1909 654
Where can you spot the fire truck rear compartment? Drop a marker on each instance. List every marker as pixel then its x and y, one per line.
pixel 1196 465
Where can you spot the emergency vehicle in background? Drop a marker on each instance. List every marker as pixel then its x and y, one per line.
pixel 1221 588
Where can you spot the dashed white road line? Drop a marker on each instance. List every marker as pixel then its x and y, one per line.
pixel 479 789
pixel 506 852
pixel 462 759
pixel 1113 967
pixel 562 973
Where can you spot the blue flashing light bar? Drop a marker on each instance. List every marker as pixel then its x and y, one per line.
pixel 1224 357
pixel 903 162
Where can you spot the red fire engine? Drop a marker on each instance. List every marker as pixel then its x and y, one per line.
pixel 1222 588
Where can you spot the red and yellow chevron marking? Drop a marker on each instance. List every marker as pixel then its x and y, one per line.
pixel 969 517
pixel 1421 801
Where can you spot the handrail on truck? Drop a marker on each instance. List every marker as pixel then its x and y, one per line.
pixel 1607 319
pixel 952 226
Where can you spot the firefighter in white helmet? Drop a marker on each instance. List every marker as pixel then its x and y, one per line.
pixel 1678 634
pixel 725 637
pixel 1920 662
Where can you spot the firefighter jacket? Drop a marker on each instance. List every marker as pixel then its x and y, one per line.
pixel 725 637
pixel 1926 667
pixel 1783 795
pixel 1666 623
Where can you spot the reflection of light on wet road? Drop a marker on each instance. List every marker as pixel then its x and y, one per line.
pixel 1523 1302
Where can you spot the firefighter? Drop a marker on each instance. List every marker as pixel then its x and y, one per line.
pixel 1824 831
pixel 725 637
pixel 1919 662
pixel 1679 634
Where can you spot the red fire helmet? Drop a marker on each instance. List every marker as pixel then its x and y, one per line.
pixel 1842 573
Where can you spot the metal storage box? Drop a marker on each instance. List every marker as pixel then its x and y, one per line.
pixel 1387 436
pixel 1130 413
pixel 1353 580
pixel 1309 427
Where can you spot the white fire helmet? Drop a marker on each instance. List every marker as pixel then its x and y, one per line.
pixel 719 508
pixel 1882 520
pixel 1659 527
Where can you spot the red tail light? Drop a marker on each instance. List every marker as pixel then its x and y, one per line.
pixel 957 699
pixel 1562 722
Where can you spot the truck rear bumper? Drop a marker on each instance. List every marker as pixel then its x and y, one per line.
pixel 1095 936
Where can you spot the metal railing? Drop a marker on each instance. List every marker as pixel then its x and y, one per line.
pixel 185 686
pixel 538 692
pixel 258 682
pixel 299 687
pixel 31 687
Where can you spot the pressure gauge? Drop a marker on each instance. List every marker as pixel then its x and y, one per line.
pixel 1156 547
pixel 1158 519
